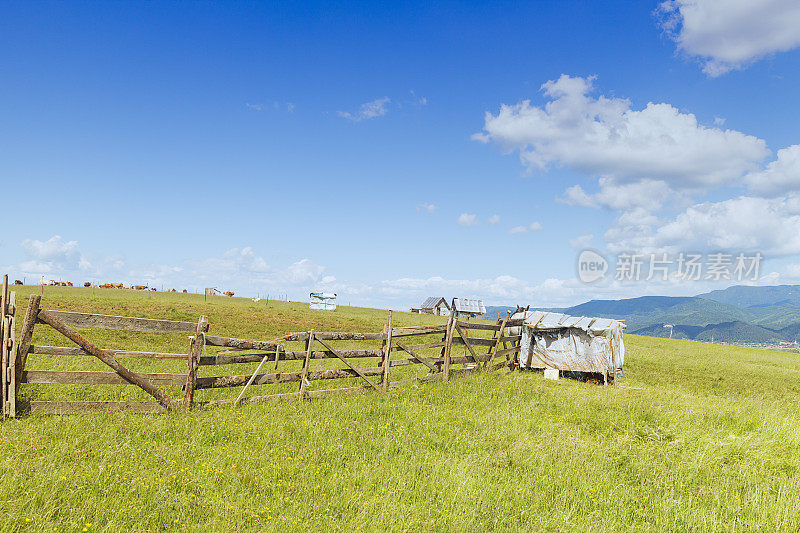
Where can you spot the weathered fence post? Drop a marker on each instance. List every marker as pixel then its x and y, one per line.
pixel 195 351
pixel 27 334
pixel 4 336
pixel 448 344
pixel 386 354
pixel 306 363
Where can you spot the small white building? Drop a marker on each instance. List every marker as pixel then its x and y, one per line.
pixel 435 305
pixel 325 301
pixel 466 307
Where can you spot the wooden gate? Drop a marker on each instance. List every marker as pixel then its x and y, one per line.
pixel 65 323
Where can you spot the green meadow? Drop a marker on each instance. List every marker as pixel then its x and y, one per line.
pixel 697 437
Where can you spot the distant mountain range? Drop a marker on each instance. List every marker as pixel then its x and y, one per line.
pixel 736 314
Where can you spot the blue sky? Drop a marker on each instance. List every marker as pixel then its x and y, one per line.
pixel 282 148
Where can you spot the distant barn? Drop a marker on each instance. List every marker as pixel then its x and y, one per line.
pixel 435 305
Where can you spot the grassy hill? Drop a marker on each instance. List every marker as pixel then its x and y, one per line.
pixel 697 437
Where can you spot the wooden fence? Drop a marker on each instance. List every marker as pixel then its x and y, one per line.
pixel 429 347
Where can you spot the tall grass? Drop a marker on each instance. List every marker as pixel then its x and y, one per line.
pixel 697 437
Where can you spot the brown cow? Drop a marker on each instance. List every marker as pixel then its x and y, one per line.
pixel 173 290
pixel 69 284
pixel 17 282
pixel 184 290
pixel 153 289
pixel 228 293
pixel 87 283
pixel 140 287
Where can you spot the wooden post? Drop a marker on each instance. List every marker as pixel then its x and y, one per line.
pixel 278 354
pixel 195 351
pixel 386 354
pixel 12 384
pixel 306 363
pixel 448 344
pixel 27 334
pixel 4 335
pixel 131 377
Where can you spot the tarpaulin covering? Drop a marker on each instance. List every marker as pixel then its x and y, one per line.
pixel 568 343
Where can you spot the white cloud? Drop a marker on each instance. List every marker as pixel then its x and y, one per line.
pixel 534 226
pixel 466 219
pixel 430 208
pixel 728 35
pixel 368 110
pixel 606 137
pixel 494 219
pixel 418 100
pixel 648 195
pixel 780 176
pixel 53 249
pixel 584 241
pixel 255 107
pixel 743 224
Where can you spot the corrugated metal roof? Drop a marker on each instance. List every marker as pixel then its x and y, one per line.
pixel 547 320
pixel 432 302
pixel 465 305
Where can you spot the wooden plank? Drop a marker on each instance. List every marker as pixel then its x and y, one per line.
pixel 415 356
pixel 385 379
pixel 336 336
pixel 56 323
pixel 219 382
pixel 75 351
pixel 72 407
pixel 254 399
pixel 195 351
pixel 252 378
pixel 474 341
pixel 324 393
pixel 507 351
pixel 418 330
pixel 353 368
pixel 496 346
pixel 91 377
pixel 420 346
pixel 124 323
pixel 286 356
pixel 27 334
pixel 242 344
pixel 475 325
pixel 467 341
pixel 306 363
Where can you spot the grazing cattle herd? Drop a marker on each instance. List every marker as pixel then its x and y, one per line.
pixel 89 284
